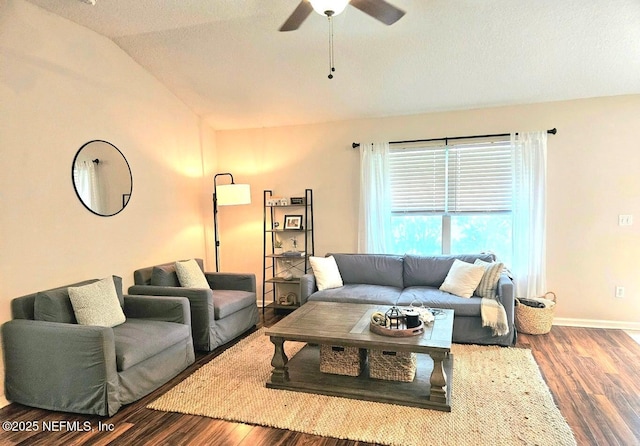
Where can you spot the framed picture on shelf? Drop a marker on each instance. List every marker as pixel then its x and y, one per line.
pixel 293 222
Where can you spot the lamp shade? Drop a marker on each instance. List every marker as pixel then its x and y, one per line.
pixel 337 6
pixel 231 194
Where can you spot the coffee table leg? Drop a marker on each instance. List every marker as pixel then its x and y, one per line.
pixel 438 379
pixel 279 374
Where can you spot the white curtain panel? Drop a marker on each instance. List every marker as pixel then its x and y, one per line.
pixel 374 225
pixel 88 185
pixel 529 213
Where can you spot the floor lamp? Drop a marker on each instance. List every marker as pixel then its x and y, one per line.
pixel 226 195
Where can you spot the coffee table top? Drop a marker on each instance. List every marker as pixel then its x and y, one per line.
pixel 348 325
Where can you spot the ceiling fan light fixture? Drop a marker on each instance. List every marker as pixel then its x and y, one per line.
pixel 334 6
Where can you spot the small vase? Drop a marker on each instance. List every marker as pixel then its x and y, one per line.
pixel 277 251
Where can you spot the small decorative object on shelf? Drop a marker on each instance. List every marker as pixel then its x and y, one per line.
pixel 277 201
pixel 288 299
pixel 286 275
pixel 297 201
pixel 293 254
pixel 277 247
pixel 293 222
pixel 273 201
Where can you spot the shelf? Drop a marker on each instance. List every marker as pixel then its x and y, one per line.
pixel 276 306
pixel 282 256
pixel 294 281
pixel 302 238
pixel 289 230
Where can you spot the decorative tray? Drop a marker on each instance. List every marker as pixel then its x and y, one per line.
pixel 396 332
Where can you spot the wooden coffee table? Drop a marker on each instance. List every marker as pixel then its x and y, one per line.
pixel 347 325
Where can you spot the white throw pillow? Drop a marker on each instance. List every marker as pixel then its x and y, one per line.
pixel 190 275
pixel 488 285
pixel 97 304
pixel 463 278
pixel 326 271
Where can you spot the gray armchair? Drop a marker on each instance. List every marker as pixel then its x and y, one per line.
pixel 53 363
pixel 219 313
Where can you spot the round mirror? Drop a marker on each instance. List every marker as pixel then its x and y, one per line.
pixel 102 178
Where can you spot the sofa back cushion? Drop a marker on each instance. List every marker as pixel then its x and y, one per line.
pixel 432 270
pixel 55 305
pixel 160 275
pixel 371 269
pixel 164 275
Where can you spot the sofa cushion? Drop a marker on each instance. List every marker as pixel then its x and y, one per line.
pixel 432 270
pixel 326 271
pixel 359 294
pixel 488 286
pixel 463 278
pixel 226 302
pixel 97 304
pixel 139 339
pixel 371 269
pixel 434 298
pixel 54 305
pixel 164 275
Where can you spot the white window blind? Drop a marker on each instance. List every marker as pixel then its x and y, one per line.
pixel 471 177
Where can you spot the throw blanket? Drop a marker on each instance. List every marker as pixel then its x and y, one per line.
pixel 494 316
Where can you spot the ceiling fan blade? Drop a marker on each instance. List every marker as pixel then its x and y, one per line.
pixel 297 17
pixel 379 9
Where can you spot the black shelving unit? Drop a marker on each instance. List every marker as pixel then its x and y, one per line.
pixel 278 290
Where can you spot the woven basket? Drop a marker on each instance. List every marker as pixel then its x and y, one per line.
pixel 392 366
pixel 340 360
pixel 535 321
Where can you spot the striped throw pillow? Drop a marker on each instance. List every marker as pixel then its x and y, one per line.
pixel 488 286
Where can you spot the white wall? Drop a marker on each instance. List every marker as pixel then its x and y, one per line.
pixel 62 85
pixel 593 176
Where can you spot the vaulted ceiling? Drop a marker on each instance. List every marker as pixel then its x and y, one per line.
pixel 227 61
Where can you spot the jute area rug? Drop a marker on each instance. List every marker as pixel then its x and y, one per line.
pixel 498 398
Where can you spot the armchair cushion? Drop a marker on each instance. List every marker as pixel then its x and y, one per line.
pixel 139 339
pixel 55 306
pixel 190 275
pixel 97 304
pixel 227 302
pixel 164 275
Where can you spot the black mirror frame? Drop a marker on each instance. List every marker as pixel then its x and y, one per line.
pixel 125 200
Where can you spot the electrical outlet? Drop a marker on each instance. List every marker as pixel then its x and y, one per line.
pixel 625 220
pixel 619 291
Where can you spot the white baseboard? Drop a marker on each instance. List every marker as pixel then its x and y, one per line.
pixel 594 323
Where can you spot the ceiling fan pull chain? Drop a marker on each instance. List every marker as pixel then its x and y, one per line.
pixel 331 65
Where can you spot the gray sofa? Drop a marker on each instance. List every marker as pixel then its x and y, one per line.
pixel 53 363
pixel 219 313
pixel 403 280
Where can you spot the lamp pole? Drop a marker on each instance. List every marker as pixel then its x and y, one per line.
pixel 215 215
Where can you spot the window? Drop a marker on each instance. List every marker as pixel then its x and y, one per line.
pixel 452 199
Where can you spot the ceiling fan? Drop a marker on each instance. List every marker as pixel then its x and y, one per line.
pixel 378 9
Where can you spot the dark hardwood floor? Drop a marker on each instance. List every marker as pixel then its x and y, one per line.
pixel 592 373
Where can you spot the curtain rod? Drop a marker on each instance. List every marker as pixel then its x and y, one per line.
pixel 355 145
